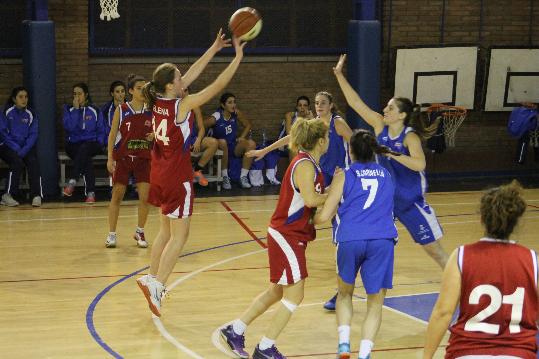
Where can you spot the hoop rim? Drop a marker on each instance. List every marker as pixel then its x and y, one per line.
pixel 440 107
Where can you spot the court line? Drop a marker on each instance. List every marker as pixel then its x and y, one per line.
pixel 241 223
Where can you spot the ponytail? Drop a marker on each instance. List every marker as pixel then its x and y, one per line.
pixel 365 146
pixel 149 94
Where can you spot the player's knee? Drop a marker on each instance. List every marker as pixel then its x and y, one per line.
pixel 289 305
pixel 212 144
pixel 251 145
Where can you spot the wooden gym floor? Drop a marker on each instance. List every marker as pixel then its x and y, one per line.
pixel 65 295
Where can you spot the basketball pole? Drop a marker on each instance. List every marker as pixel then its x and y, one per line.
pixel 39 76
pixel 364 56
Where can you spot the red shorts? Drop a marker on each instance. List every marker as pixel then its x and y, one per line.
pixel 175 201
pixel 140 167
pixel 286 259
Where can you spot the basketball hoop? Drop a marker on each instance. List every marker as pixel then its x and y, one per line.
pixel 452 118
pixel 109 9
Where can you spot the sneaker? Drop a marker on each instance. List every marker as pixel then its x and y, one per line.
pixel 111 241
pixel 226 183
pixel 142 283
pixel 141 240
pixel 343 351
pixel 36 202
pixel 9 201
pixel 156 291
pixel 274 181
pixel 68 190
pixel 270 353
pixel 236 342
pixel 244 181
pixel 200 178
pixel 90 198
pixel 330 304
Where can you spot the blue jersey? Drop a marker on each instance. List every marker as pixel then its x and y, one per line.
pixel 282 132
pixel 337 154
pixel 18 129
pixel 84 124
pixel 410 185
pixel 225 129
pixel 108 114
pixel 366 208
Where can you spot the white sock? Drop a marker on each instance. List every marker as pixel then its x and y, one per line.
pixel 244 172
pixel 344 333
pixel 365 348
pixel 239 327
pixel 265 343
pixel 112 234
pixel 224 173
pixel 270 173
pixel 140 230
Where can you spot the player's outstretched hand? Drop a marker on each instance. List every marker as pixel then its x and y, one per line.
pixel 221 41
pixel 238 45
pixel 257 154
pixel 338 68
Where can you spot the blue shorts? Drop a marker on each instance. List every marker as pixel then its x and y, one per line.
pixel 374 258
pixel 420 221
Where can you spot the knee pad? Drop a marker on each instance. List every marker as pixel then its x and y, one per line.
pixel 288 305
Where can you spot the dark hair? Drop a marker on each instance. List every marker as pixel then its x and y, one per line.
pixel 364 146
pixel 225 97
pixel 115 84
pixel 132 79
pixel 335 109
pixel 501 208
pixel 162 75
pixel 84 87
pixel 414 118
pixel 303 98
pixel 14 94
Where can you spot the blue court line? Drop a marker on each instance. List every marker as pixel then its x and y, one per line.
pixel 91 308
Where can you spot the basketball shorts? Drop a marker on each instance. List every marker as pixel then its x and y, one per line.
pixel 139 167
pixel 374 260
pixel 286 259
pixel 420 221
pixel 175 201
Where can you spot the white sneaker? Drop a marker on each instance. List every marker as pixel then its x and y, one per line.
pixel 142 283
pixel 36 202
pixel 156 290
pixel 226 182
pixel 111 241
pixel 9 201
pixel 141 240
pixel 244 181
pixel 274 181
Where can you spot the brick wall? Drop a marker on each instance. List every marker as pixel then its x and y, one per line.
pixel 266 89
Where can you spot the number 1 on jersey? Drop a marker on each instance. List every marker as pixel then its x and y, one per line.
pixel 161 131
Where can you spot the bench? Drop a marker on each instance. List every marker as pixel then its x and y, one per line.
pixel 103 179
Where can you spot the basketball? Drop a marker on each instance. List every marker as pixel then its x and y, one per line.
pixel 245 23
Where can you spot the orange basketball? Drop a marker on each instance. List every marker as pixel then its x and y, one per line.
pixel 245 23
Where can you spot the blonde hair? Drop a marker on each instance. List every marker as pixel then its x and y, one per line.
pixel 305 133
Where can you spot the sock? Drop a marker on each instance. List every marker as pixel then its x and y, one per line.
pixel 239 327
pixel 198 167
pixel 152 276
pixel 265 343
pixel 365 348
pixel 244 172
pixel 140 230
pixel 270 173
pixel 344 334
pixel 72 182
pixel 112 234
pixel 224 173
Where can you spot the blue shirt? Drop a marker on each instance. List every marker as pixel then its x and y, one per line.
pixel 225 129
pixel 18 129
pixel 84 124
pixel 337 154
pixel 366 208
pixel 410 185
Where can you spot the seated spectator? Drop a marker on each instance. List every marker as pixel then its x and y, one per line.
pixel 224 126
pixel 18 138
pixel 85 138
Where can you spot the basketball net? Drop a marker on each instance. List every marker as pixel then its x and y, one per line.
pixel 452 117
pixel 109 9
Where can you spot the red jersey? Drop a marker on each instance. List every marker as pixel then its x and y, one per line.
pixel 498 301
pixel 133 129
pixel 292 218
pixel 171 157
